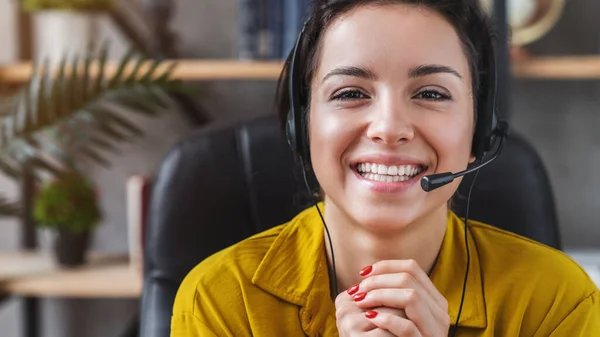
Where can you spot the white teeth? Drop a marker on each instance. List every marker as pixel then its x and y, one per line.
pixel 403 170
pixel 385 173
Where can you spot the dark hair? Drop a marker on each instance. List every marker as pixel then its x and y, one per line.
pixel 472 26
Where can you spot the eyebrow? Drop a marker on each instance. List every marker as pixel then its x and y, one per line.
pixel 419 71
pixel 354 71
pixel 430 69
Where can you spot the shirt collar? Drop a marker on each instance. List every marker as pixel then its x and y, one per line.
pixel 295 270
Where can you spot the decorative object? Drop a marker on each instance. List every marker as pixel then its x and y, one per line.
pixel 64 26
pixel 68 206
pixel 74 113
pixel 529 20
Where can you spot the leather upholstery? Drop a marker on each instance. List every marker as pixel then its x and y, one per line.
pixel 218 187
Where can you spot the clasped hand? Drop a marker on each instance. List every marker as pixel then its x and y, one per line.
pixel 395 298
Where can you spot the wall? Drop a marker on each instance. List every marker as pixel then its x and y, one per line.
pixel 559 118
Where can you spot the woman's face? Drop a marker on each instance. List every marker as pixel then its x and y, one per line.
pixel 391 101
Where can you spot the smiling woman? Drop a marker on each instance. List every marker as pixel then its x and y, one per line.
pixel 377 96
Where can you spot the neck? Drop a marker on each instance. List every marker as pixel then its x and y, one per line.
pixel 355 247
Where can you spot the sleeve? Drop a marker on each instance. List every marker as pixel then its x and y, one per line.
pixel 584 320
pixel 188 325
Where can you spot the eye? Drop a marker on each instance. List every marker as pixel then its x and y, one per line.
pixel 432 95
pixel 350 94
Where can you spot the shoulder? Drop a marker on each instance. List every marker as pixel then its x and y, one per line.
pixel 215 293
pixel 209 299
pixel 227 273
pixel 542 283
pixel 230 269
pixel 526 256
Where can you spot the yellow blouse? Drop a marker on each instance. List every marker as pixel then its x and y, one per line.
pixel 276 283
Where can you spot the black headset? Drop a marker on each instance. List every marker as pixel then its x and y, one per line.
pixel 488 128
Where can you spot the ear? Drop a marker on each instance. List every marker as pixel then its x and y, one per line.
pixel 472 158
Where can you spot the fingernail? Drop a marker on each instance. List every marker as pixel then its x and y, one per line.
pixel 371 314
pixel 366 271
pixel 352 290
pixel 359 297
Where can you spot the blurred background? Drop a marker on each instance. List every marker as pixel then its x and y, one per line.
pixel 229 54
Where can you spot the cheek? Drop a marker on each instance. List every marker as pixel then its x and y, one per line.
pixel 451 139
pixel 331 135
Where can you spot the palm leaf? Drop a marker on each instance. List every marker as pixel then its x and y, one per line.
pixel 65 114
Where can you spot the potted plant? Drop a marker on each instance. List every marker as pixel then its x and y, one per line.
pixel 78 112
pixel 68 206
pixel 64 26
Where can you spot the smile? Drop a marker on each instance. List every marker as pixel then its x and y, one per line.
pixel 389 174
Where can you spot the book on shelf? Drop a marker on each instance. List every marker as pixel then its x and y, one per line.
pixel 249 27
pixel 268 29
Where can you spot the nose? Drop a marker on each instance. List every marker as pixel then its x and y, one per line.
pixel 391 124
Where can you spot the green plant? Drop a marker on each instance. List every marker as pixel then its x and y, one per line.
pixel 77 5
pixel 75 111
pixel 68 202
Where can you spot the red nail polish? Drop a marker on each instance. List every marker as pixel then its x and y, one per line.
pixel 371 314
pixel 359 297
pixel 352 290
pixel 366 271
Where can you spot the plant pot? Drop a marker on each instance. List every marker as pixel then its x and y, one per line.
pixel 62 32
pixel 70 248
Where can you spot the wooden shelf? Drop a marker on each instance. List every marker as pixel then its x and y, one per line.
pixel 187 70
pixel 36 274
pixel 563 67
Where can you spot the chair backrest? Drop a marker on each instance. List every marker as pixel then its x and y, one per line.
pixel 218 187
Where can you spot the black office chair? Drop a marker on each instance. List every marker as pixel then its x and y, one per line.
pixel 218 187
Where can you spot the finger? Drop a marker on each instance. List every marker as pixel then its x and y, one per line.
pixel 341 298
pixel 392 311
pixel 379 332
pixel 399 281
pixel 412 267
pixel 411 301
pixel 352 323
pixel 349 317
pixel 394 324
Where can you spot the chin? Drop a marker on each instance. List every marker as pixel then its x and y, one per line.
pixel 384 217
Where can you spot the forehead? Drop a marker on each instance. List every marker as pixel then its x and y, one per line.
pixel 391 37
